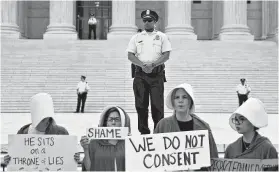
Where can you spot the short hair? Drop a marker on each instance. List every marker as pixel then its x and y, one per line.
pixel 173 96
pixel 84 77
pixel 108 112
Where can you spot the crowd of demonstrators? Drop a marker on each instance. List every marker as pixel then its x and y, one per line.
pixel 109 154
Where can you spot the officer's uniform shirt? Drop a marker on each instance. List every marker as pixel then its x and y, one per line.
pixel 243 89
pixel 92 21
pixel 148 47
pixel 82 86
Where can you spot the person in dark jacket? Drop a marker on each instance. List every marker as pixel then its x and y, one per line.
pixel 42 112
pixel 246 120
pixel 181 100
pixel 106 155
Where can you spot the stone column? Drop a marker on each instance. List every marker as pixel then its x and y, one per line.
pixel 61 23
pixel 22 17
pixel 265 19
pixel 123 19
pixel 235 21
pixel 217 18
pixel 179 20
pixel 9 27
pixel 273 21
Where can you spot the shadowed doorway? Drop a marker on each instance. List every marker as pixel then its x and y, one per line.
pixel 102 11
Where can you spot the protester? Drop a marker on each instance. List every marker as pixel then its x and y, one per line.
pixel 181 100
pixel 42 113
pixel 246 120
pixel 106 155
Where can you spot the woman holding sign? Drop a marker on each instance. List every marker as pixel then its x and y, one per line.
pixel 246 120
pixel 181 100
pixel 106 155
pixel 42 112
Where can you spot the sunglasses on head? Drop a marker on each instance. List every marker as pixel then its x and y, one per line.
pixel 147 20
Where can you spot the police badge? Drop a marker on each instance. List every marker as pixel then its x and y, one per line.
pixel 157 37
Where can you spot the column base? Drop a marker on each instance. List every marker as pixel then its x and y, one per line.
pixel 10 31
pixel 236 37
pixel 235 33
pixel 62 31
pixel 273 36
pixel 183 32
pixel 121 32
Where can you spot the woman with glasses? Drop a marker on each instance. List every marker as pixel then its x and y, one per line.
pixel 106 155
pixel 246 120
pixel 181 100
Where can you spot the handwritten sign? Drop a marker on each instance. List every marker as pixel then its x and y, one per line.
pixel 116 133
pixel 243 164
pixel 42 152
pixel 168 151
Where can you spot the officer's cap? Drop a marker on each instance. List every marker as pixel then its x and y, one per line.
pixel 83 76
pixel 149 14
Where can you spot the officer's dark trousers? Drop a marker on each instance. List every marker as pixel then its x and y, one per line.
pixel 143 87
pixel 92 27
pixel 242 98
pixel 81 99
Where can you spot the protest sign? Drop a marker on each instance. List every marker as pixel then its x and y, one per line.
pixel 116 133
pixel 218 164
pixel 168 151
pixel 42 152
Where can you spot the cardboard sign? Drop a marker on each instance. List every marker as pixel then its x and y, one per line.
pixel 168 151
pixel 243 164
pixel 42 152
pixel 116 133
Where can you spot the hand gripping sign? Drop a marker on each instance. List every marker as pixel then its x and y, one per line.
pixel 168 151
pixel 42 152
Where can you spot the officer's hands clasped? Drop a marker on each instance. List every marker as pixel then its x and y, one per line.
pixel 147 68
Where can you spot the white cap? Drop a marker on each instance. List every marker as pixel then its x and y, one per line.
pixel 253 110
pixel 41 106
pixel 188 88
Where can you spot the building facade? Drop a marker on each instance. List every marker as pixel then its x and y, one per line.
pixel 202 20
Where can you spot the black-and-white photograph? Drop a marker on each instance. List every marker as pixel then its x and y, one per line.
pixel 136 85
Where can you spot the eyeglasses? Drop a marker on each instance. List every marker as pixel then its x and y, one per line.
pixel 238 121
pixel 116 119
pixel 150 20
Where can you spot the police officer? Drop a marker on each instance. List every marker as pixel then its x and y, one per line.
pixel 82 90
pixel 148 51
pixel 242 90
